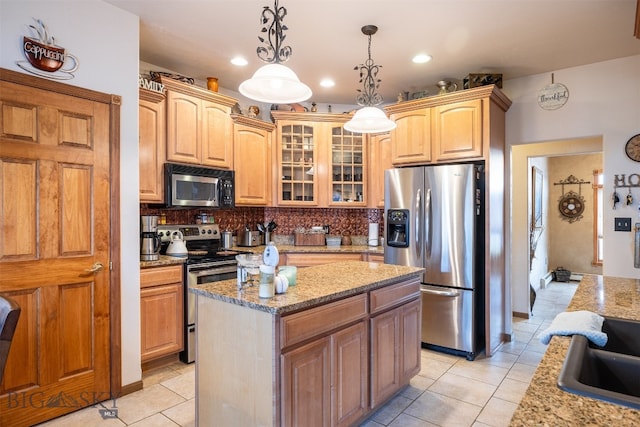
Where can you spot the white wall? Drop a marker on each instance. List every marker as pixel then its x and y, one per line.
pixel 105 41
pixel 603 103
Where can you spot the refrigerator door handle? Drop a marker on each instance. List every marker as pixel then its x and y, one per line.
pixel 448 293
pixel 418 219
pixel 427 224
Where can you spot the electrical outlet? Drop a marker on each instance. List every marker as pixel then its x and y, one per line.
pixel 622 224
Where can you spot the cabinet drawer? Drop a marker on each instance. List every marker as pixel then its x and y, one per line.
pixel 393 295
pixel 160 275
pixel 310 323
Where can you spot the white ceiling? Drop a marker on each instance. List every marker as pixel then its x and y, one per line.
pixel 198 38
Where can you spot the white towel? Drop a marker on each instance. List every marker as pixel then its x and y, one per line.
pixel 576 323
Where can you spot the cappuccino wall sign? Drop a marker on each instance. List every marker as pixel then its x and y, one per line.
pixel 553 96
pixel 44 57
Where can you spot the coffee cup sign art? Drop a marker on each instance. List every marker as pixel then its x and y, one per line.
pixel 44 57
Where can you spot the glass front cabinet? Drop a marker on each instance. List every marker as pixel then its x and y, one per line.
pixel 320 164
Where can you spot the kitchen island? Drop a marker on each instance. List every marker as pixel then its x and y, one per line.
pixel 544 404
pixel 333 348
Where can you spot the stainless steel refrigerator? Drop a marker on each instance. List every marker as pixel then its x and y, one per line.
pixel 434 219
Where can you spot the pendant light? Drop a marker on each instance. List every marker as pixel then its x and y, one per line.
pixel 274 83
pixel 369 119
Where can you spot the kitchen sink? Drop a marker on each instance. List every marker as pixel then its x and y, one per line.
pixel 610 373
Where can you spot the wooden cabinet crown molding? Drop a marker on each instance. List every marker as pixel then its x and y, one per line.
pixel 150 95
pixel 311 117
pixel 489 91
pixel 198 92
pixel 239 119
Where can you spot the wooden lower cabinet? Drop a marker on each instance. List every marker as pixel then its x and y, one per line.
pixel 395 350
pixel 161 312
pixel 325 382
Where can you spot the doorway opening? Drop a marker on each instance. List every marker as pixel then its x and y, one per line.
pixel 519 210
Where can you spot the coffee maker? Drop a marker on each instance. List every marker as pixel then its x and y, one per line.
pixel 149 238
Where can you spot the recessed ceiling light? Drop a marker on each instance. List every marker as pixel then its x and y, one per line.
pixel 421 58
pixel 240 61
pixel 327 83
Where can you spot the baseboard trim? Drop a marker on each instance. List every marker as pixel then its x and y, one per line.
pixel 130 388
pixel 519 314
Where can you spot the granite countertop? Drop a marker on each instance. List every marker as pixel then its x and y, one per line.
pixel 544 404
pixel 164 260
pixel 314 285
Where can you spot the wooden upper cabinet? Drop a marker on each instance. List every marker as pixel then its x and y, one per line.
pixel 252 140
pixel 199 126
pixel 457 130
pixel 152 145
pixel 379 161
pixel 217 135
pixel 412 137
pixel 448 128
pixel 320 164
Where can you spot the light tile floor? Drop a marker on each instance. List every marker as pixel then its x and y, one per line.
pixel 448 391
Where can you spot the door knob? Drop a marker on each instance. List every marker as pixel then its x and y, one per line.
pixel 95 268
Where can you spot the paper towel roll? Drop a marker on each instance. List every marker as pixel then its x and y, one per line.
pixel 373 234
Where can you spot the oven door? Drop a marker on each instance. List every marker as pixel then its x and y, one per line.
pixel 204 274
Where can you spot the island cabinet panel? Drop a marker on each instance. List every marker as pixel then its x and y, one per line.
pixel 324 382
pixel 306 385
pixel 395 350
pixel 161 312
pixel 311 323
pixel 152 146
pixel 199 126
pixel 457 130
pixel 349 384
pixel 411 137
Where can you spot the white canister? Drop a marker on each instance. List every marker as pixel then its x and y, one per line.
pixel 267 274
pixel 373 234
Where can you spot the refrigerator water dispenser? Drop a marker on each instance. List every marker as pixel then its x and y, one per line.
pixel 398 228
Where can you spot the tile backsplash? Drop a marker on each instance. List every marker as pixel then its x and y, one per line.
pixel 345 222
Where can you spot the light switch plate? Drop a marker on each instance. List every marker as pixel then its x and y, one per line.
pixel 622 224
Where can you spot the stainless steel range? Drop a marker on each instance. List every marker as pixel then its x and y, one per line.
pixel 206 262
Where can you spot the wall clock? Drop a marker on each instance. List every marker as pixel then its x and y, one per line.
pixel 571 206
pixel 632 149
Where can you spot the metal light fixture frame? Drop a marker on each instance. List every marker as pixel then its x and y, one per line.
pixel 274 83
pixel 369 119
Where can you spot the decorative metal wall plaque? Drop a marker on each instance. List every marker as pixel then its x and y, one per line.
pixel 44 57
pixel 571 204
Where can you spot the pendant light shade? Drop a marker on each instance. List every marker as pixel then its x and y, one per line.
pixel 369 119
pixel 274 83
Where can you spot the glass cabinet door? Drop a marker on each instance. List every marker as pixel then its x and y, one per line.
pixel 297 162
pixel 347 167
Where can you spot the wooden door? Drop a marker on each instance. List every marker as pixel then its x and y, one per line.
pixel 55 219
pixel 411 322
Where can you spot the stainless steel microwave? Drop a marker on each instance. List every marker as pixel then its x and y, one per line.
pixel 198 186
